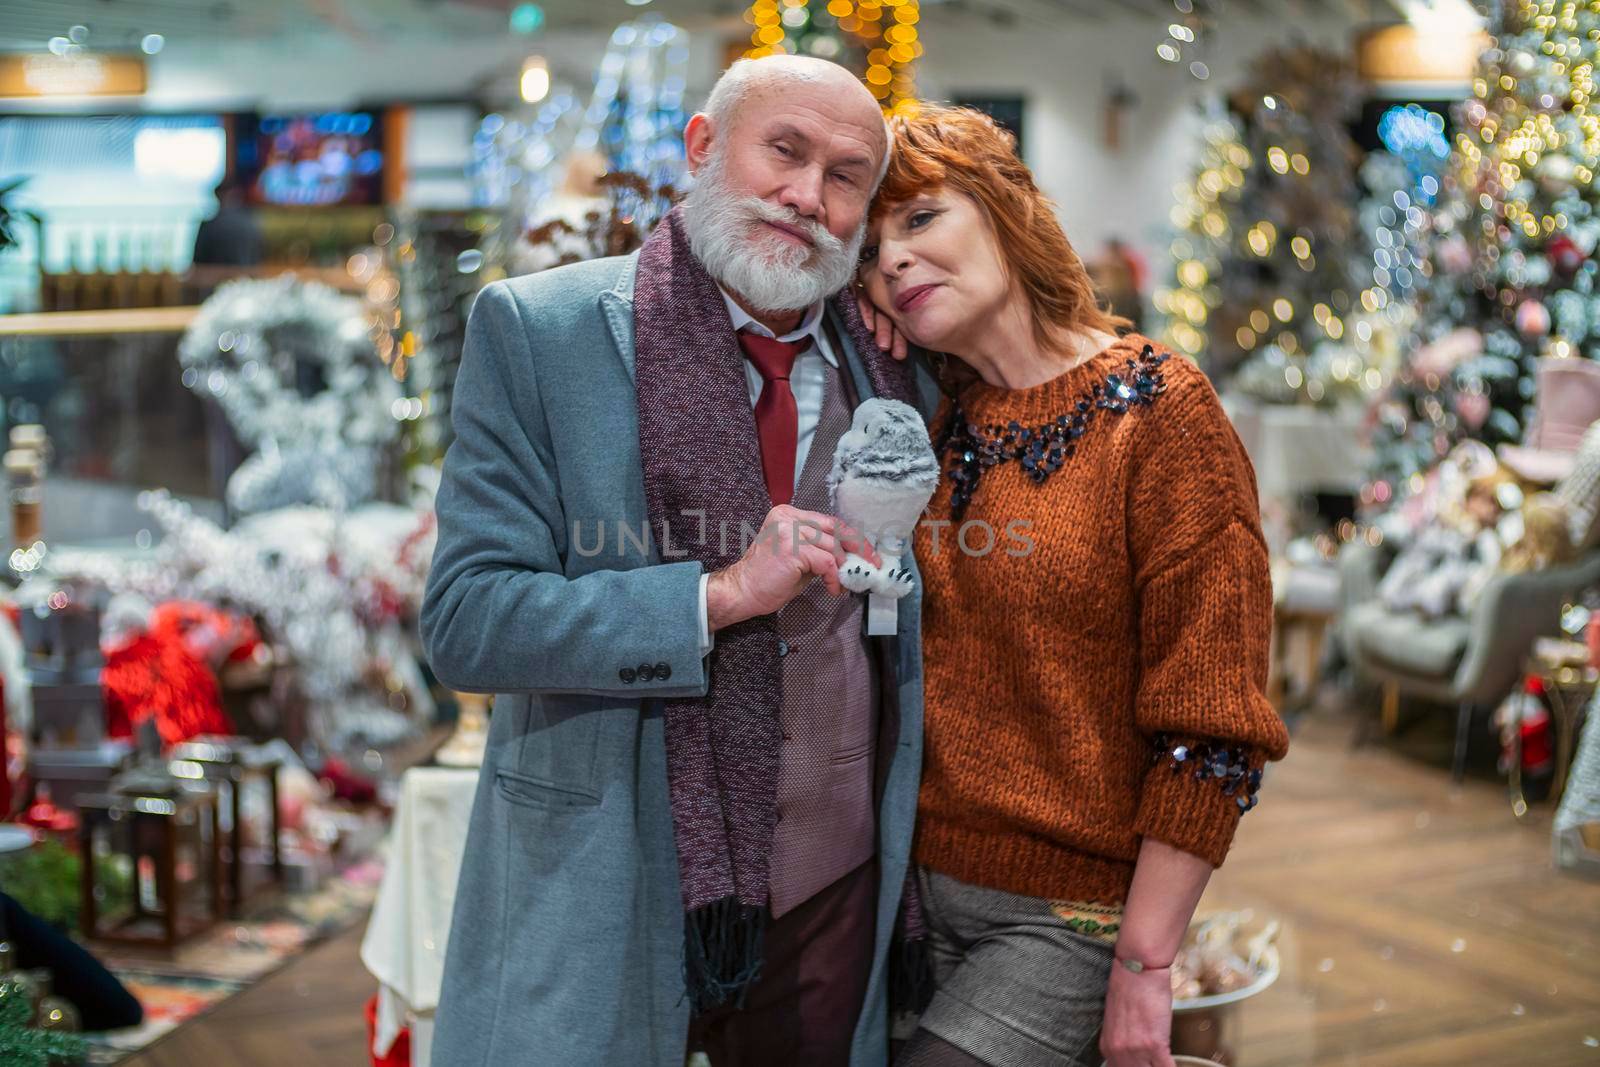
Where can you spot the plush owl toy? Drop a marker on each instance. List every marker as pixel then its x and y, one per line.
pixel 884 473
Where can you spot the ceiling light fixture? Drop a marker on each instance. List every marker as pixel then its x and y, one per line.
pixel 535 79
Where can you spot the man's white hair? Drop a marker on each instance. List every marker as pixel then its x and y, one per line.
pixel 747 75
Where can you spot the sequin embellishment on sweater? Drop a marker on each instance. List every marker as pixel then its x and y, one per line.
pixel 1043 449
pixel 1229 767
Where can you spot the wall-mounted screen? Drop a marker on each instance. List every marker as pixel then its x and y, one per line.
pixel 321 158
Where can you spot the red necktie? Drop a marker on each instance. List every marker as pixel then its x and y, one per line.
pixel 777 419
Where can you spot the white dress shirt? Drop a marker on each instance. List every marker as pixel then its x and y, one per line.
pixel 807 381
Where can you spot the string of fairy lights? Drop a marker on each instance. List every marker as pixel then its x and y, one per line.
pixel 886 29
pixel 1519 149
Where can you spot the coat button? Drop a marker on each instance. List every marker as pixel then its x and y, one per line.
pixel 646 672
pixel 626 674
pixel 783 648
pixel 663 672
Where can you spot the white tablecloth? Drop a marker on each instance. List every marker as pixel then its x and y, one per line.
pixel 1300 449
pixel 410 924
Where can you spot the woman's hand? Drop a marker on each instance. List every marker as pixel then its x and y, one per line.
pixel 884 333
pixel 1138 1025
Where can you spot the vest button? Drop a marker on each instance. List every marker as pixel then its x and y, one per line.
pixel 783 648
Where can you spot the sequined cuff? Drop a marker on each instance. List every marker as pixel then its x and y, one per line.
pixel 1205 760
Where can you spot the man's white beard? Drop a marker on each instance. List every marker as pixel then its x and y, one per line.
pixel 769 272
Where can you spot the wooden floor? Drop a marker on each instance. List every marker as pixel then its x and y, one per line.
pixel 306 1015
pixel 1424 927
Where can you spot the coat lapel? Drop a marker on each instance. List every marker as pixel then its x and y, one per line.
pixel 889 377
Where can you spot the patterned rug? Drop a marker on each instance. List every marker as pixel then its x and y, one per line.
pixel 229 958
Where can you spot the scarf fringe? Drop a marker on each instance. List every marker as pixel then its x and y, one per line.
pixel 722 953
pixel 910 976
pixel 910 968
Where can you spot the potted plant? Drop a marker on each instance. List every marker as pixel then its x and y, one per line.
pixel 10 214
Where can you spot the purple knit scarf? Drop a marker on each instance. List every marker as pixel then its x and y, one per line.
pixel 706 498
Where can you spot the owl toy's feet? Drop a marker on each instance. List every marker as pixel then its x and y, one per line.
pixel 892 580
pixel 857 575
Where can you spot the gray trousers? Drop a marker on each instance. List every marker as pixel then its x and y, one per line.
pixel 1014 986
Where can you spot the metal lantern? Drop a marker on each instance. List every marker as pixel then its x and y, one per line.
pixel 152 865
pixel 237 771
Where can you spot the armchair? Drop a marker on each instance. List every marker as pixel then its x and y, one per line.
pixel 1469 662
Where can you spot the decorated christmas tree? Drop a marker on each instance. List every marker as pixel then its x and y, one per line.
pixel 1270 257
pixel 1528 149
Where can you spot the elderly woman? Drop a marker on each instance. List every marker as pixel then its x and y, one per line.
pixel 1095 628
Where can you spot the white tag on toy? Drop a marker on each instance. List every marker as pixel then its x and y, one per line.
pixel 883 615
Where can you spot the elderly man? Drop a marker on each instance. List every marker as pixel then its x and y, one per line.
pixel 693 823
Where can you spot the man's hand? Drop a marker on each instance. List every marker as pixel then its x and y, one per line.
pixel 882 326
pixel 793 547
pixel 1138 1022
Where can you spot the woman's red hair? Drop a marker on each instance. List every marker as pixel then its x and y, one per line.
pixel 966 151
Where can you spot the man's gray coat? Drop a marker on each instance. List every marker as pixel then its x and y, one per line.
pixel 567 941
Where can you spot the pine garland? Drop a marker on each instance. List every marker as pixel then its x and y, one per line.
pixel 23 1046
pixel 46 881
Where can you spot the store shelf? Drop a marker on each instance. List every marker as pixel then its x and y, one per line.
pixel 97 323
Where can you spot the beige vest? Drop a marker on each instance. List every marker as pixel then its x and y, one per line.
pixel 825 772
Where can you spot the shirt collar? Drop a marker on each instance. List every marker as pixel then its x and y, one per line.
pixel 810 325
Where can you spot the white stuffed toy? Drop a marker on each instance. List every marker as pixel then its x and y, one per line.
pixel 884 473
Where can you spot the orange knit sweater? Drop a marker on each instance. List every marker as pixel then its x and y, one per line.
pixel 1075 687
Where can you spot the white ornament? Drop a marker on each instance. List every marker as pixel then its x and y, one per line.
pixel 293 367
pixel 1556 173
pixel 256 344
pixel 1536 272
pixel 331 588
pixel 279 478
pixel 1586 235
